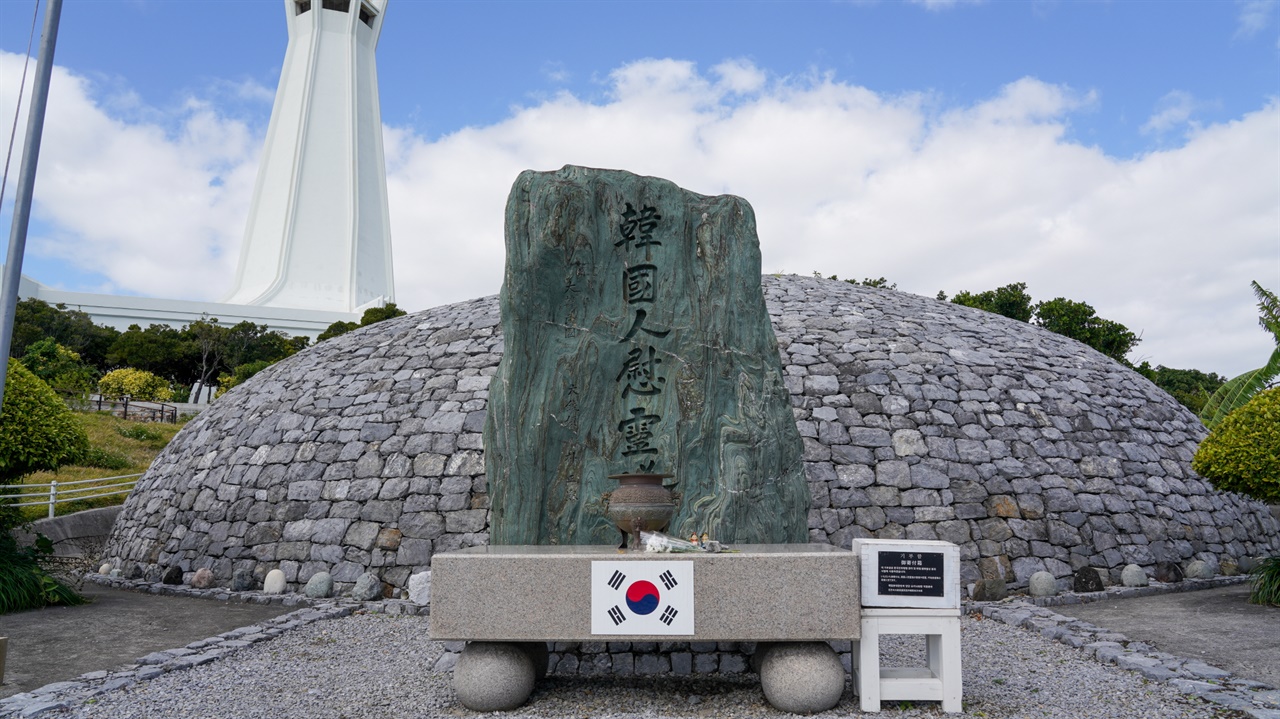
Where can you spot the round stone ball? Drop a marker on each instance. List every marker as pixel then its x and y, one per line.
pixel 493 676
pixel 1133 576
pixel 319 586
pixel 274 583
pixel 105 568
pixel 1042 584
pixel 802 677
pixel 1197 569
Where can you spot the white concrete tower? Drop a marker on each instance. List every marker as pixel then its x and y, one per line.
pixel 318 235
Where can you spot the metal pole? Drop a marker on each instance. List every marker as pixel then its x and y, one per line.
pixel 26 183
pixel 53 496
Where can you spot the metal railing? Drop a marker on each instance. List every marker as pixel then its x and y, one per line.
pixel 128 408
pixel 57 494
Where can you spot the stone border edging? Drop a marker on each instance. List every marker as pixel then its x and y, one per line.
pixel 62 694
pixel 1189 676
pixel 1121 592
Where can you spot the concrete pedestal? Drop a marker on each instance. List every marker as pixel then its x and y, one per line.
pixel 512 597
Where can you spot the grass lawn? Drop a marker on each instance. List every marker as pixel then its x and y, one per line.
pixel 118 447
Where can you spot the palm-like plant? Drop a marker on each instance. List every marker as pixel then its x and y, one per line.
pixel 1239 390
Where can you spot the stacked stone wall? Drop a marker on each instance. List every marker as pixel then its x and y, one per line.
pixel 920 419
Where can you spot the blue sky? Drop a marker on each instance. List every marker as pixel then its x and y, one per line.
pixel 1122 153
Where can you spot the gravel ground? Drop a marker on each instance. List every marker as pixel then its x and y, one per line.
pixel 372 665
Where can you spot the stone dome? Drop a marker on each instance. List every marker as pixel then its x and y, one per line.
pixel 920 419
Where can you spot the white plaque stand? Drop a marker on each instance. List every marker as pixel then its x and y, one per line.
pixel 936 617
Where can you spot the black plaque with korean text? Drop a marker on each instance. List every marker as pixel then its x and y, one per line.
pixel 911 574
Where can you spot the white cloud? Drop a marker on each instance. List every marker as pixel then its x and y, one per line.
pixel 153 205
pixel 843 180
pixel 1174 109
pixel 1254 16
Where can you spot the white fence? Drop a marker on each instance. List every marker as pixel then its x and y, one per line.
pixel 55 493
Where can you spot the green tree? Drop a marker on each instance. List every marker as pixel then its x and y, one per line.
pixel 1079 321
pixel 35 320
pixel 37 432
pixel 1190 387
pixel 159 349
pixel 240 375
pixel 337 328
pixel 1242 452
pixel 208 341
pixel 378 314
pixel 60 368
pixel 370 316
pixel 1011 301
pixel 1239 390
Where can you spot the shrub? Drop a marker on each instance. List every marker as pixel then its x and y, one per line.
pixel 1242 453
pixel 140 433
pixel 37 431
pixel 1266 582
pixel 104 459
pixel 135 384
pixel 59 367
pixel 24 584
pixel 241 375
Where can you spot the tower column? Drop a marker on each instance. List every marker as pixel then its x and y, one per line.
pixel 318 234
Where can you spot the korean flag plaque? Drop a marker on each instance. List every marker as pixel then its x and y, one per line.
pixel 642 598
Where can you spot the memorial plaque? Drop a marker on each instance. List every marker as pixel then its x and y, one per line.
pixel 911 574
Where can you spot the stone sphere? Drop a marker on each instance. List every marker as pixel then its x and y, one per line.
pixel 493 676
pixel 1199 569
pixel 920 419
pixel 1133 576
pixel 319 586
pixel 802 677
pixel 1042 584
pixel 274 583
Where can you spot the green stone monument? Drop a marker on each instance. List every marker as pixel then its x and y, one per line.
pixel 636 340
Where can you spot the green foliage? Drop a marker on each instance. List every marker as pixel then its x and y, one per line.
pixel 60 368
pixel 335 329
pixel 37 431
pixel 24 584
pixel 1242 453
pixel 370 316
pixel 880 282
pixel 139 433
pixel 1190 387
pixel 159 350
pixel 378 314
pixel 34 320
pixel 241 375
pixel 1079 321
pixel 1239 390
pixel 136 384
pixel 103 459
pixel 1011 301
pixel 1266 582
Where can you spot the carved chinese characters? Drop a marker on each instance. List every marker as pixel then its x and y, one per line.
pixel 636 340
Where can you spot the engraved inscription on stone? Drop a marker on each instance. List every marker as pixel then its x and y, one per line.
pixel 911 574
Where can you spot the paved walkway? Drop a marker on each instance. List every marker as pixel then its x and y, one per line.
pixel 117 627
pixel 1217 626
